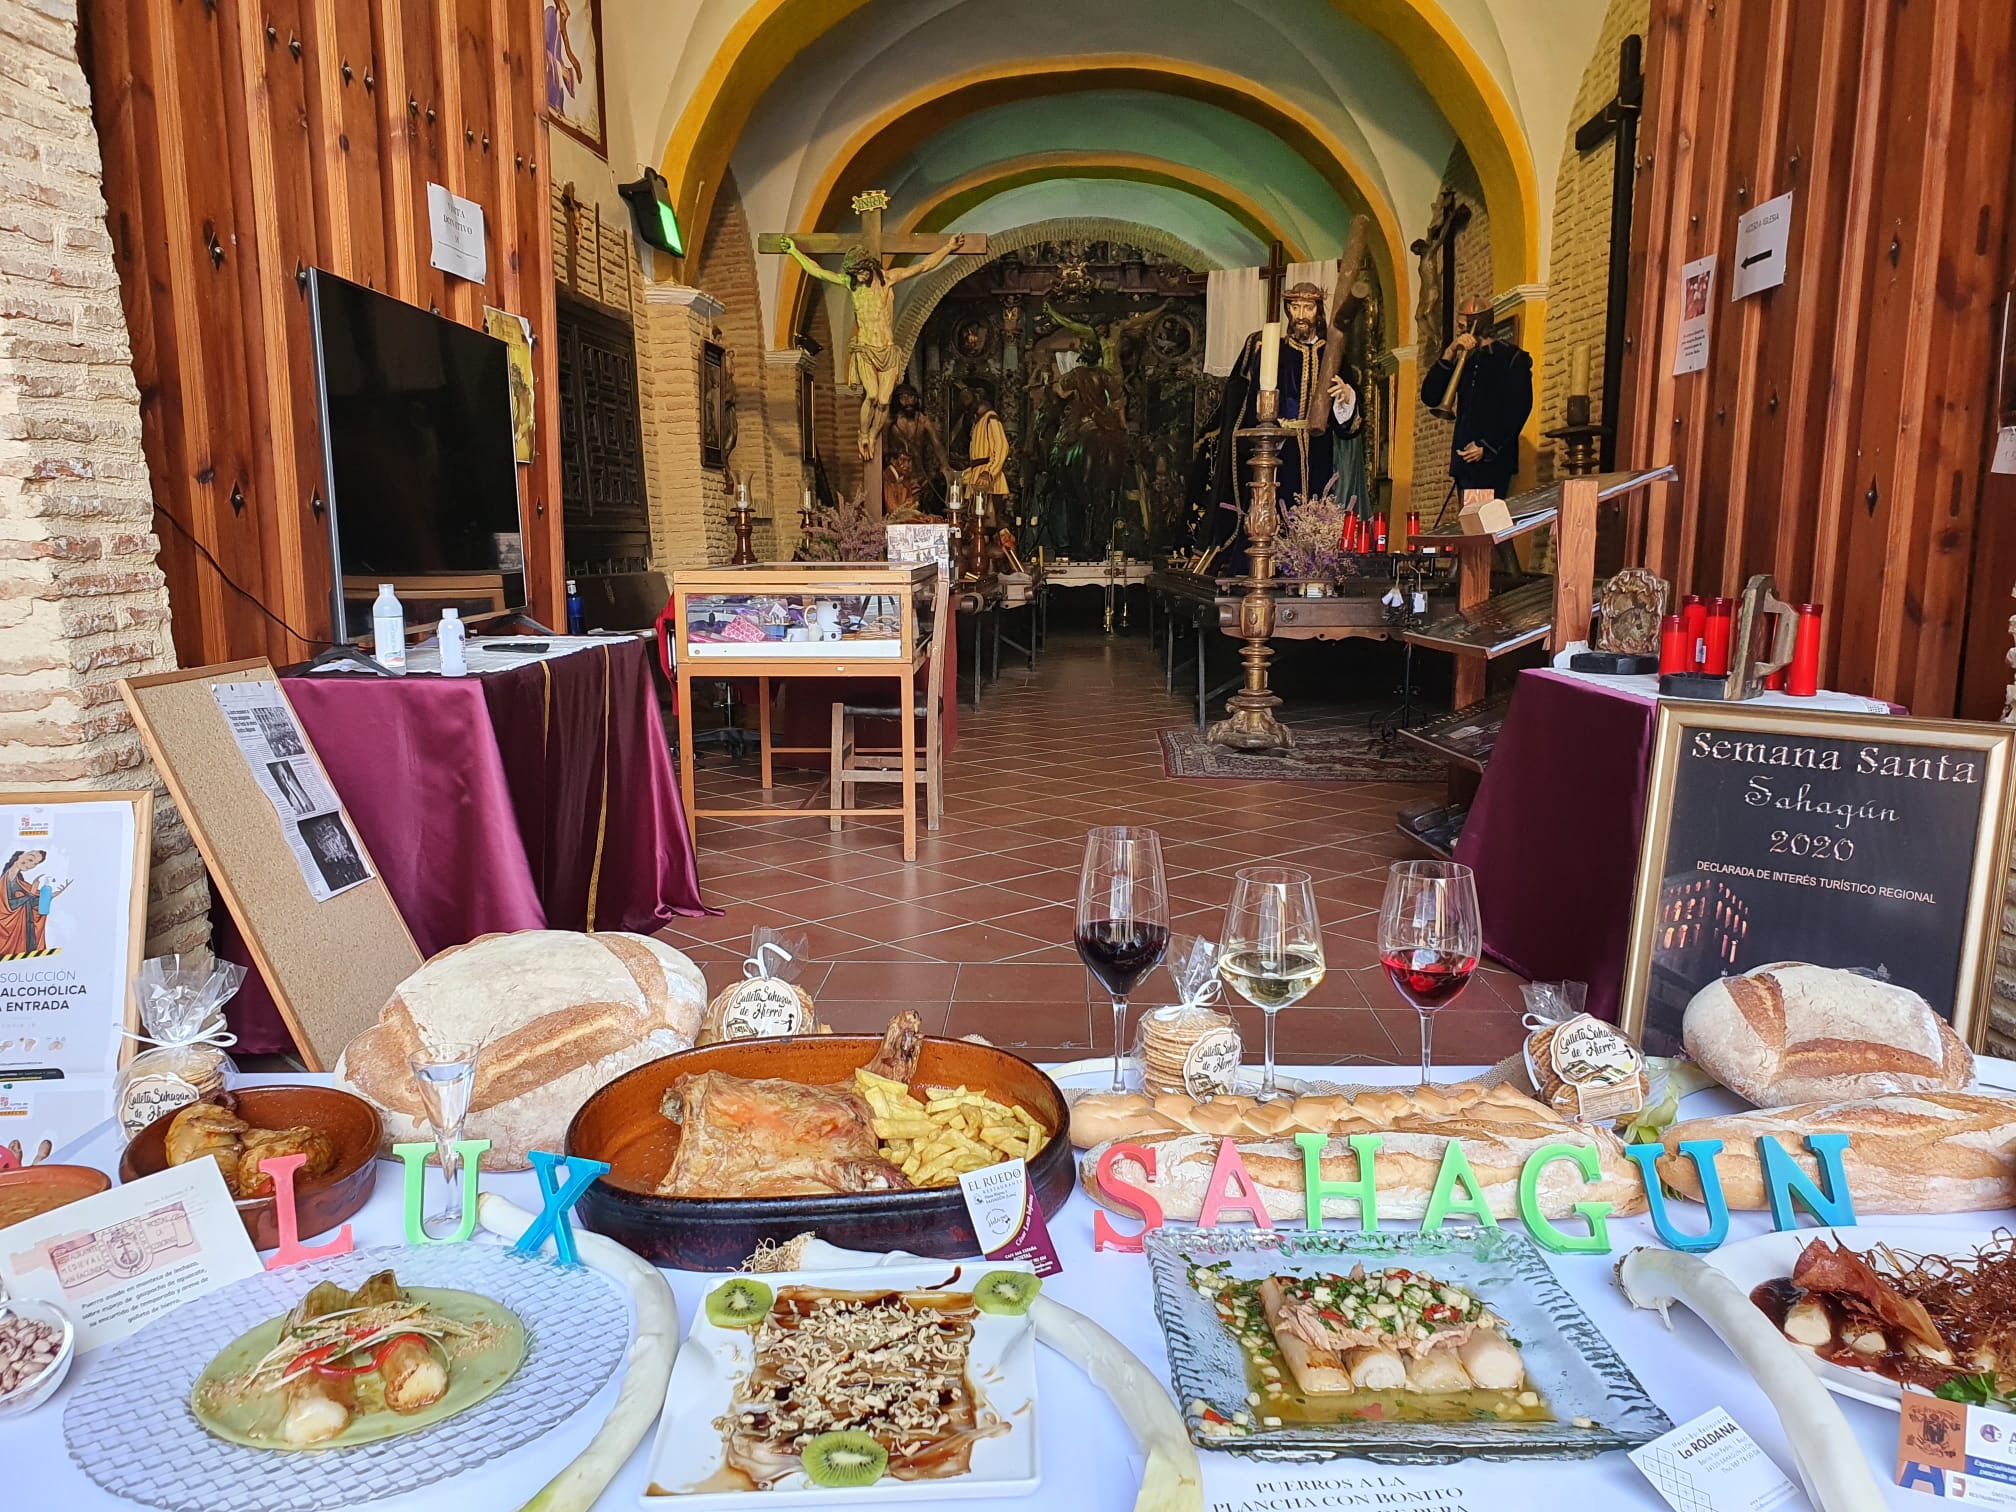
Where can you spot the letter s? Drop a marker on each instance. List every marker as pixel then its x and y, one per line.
pixel 1127 1197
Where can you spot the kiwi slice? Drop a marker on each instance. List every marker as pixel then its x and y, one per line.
pixel 847 1458
pixel 1006 1292
pixel 738 1303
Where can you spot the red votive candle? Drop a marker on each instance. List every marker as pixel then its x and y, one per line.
pixel 1715 658
pixel 1673 645
pixel 1774 682
pixel 1379 533
pixel 1802 678
pixel 1413 530
pixel 1694 618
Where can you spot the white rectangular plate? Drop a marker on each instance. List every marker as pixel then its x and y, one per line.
pixel 1001 1366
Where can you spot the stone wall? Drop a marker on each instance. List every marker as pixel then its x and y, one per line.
pixel 1473 277
pixel 1578 277
pixel 82 601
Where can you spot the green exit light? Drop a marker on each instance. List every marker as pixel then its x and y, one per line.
pixel 650 200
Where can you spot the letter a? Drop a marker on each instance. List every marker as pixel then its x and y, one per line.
pixel 1244 1196
pixel 1784 1181
pixel 1702 1152
pixel 1443 1200
pixel 560 1200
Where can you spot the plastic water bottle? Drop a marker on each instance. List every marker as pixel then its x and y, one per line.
pixel 388 627
pixel 574 618
pixel 454 637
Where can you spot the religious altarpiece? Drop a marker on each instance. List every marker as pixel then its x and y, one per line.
pixel 1092 353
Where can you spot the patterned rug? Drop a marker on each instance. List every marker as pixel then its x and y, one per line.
pixel 1322 756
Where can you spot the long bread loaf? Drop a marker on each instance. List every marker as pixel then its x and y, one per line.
pixel 1928 1152
pixel 1102 1116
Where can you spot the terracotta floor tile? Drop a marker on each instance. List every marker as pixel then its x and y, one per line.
pixel 1023 982
pixel 1019 1026
pixel 971 943
pixel 846 1017
pixel 884 982
pixel 891 921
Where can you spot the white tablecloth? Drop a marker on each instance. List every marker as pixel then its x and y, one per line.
pixel 1088 1460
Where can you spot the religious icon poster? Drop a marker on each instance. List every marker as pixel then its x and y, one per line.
pixel 574 99
pixel 73 885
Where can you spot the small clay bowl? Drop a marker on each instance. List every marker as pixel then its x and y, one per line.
pixel 622 1125
pixel 320 1202
pixel 31 1191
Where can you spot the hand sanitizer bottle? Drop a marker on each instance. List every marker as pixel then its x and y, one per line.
pixel 388 627
pixel 454 636
pixel 573 608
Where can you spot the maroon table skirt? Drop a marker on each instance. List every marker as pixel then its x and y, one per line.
pixel 540 797
pixel 1553 833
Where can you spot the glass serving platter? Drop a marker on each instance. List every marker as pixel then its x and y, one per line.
pixel 1568 1361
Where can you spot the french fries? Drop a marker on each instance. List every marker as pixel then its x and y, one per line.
pixel 948 1131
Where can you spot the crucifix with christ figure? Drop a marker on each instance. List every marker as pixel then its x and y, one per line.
pixel 873 361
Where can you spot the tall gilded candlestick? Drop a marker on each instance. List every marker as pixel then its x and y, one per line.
pixel 1252 725
pixel 745 543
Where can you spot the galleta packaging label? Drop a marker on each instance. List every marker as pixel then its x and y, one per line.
pixel 762 1008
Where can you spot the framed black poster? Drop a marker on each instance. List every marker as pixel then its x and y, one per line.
pixel 1855 841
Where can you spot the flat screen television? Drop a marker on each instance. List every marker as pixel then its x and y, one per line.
pixel 418 457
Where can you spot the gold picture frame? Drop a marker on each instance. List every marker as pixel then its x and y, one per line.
pixel 1774 866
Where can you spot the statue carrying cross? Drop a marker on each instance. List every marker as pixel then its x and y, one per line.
pixel 872 357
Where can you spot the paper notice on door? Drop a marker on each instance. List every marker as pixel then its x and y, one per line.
pixel 1697 302
pixel 1762 237
pixel 2004 460
pixel 311 817
pixel 117 1261
pixel 457 227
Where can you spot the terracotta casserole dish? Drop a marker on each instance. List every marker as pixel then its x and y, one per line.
pixel 622 1125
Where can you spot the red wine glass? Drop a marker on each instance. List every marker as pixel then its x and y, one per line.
pixel 1430 936
pixel 1123 918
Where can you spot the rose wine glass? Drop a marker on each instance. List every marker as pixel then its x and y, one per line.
pixel 1123 918
pixel 1272 953
pixel 1430 937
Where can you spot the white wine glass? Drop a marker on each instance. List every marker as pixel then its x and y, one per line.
pixel 1123 918
pixel 1430 937
pixel 444 1072
pixel 1272 951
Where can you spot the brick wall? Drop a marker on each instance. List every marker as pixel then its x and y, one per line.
pixel 1578 277
pixel 82 602
pixel 1473 276
pixel 688 526
pixel 727 271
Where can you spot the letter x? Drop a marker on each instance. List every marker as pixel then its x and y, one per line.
pixel 553 1218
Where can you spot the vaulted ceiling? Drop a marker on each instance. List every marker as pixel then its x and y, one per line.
pixel 1226 123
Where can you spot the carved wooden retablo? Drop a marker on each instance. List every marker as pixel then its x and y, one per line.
pixel 1628 609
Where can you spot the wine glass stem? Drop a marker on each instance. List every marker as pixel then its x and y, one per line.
pixel 1267 1088
pixel 444 1141
pixel 1427 1031
pixel 1119 1028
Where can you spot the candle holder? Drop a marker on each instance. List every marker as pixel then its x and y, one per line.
pixel 1252 725
pixel 745 530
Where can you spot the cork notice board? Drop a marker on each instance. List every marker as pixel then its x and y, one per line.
pixel 330 965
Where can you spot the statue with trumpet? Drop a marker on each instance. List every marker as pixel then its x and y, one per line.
pixel 1484 387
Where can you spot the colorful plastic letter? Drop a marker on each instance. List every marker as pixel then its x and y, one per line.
pixel 560 1200
pixel 1545 1234
pixel 1364 1191
pixel 1127 1197
pixel 1244 1197
pixel 1702 1152
pixel 414 1153
pixel 1784 1181
pixel 1443 1200
pixel 292 1251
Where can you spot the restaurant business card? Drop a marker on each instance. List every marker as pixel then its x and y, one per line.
pixel 1712 1465
pixel 117 1261
pixel 1957 1451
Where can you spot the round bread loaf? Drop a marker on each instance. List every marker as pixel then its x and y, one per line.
pixel 1793 1033
pixel 559 1015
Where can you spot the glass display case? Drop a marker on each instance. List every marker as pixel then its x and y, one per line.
pixel 796 612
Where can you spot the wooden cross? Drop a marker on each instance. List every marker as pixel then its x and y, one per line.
pixel 1275 276
pixel 869 206
pixel 1451 216
pixel 1618 118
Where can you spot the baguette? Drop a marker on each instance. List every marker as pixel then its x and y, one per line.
pixel 1101 1117
pixel 1934 1152
pixel 1791 1033
pixel 1407 1165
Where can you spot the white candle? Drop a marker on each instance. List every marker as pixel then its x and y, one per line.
pixel 1578 370
pixel 808 501
pixel 1270 355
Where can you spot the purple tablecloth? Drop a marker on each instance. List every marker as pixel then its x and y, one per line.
pixel 538 797
pixel 1553 833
